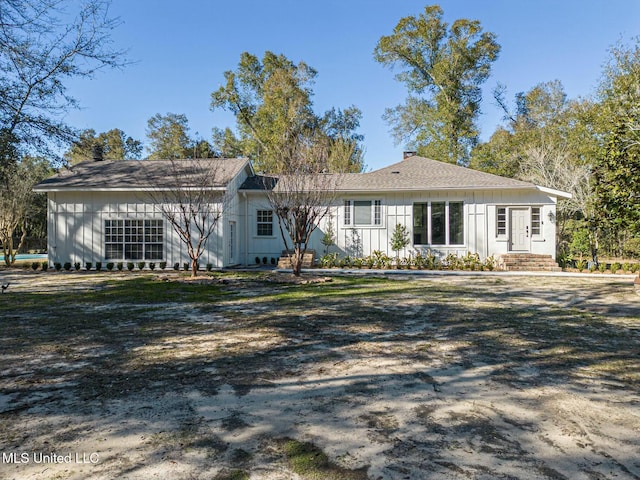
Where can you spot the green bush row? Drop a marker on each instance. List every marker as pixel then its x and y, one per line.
pixel 422 261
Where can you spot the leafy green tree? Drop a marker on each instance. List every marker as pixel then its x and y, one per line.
pixel 43 44
pixel 617 169
pixel 399 240
pixel 168 136
pixel 114 145
pixel 443 69
pixel 22 211
pixel 271 100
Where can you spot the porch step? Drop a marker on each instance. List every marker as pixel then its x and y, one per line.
pixel 308 260
pixel 527 262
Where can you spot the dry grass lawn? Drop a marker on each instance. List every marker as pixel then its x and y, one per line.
pixel 244 375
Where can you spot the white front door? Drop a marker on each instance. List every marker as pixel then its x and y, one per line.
pixel 519 234
pixel 232 243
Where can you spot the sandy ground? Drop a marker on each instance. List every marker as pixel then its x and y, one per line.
pixel 439 378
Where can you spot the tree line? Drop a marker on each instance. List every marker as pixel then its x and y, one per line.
pixel 588 147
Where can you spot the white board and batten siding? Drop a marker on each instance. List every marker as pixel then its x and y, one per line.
pixel 480 209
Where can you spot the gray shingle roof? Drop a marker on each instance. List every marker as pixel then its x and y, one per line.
pixel 413 173
pixel 419 173
pixel 136 175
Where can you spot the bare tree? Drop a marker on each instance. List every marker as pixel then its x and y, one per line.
pixel 192 196
pixel 303 195
pixel 43 43
pixel 553 167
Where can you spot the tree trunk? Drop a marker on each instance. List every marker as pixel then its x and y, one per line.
pixel 194 267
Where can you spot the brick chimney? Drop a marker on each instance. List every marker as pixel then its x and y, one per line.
pixel 97 153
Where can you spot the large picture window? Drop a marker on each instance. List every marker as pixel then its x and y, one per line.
pixel 133 239
pixel 438 223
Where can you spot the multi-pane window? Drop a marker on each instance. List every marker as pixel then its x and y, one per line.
pixel 347 212
pixel 264 223
pixel 134 239
pixel 377 212
pixel 536 221
pixel 501 221
pixel 114 239
pixel 438 223
pixel 363 212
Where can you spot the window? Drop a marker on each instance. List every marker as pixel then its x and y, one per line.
pixel 438 223
pixel 133 239
pixel 363 212
pixel 420 224
pixel 377 212
pixel 347 212
pixel 265 223
pixel 536 222
pixel 114 239
pixel 501 221
pixel 456 223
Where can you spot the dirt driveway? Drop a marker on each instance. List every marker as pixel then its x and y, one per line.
pixel 137 376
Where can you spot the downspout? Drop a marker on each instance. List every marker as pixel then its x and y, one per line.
pixel 246 229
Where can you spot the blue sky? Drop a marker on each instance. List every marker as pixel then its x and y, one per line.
pixel 182 48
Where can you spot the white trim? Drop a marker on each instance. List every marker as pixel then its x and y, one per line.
pixel 552 191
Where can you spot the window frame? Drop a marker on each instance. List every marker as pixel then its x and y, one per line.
pixel 134 239
pixel 375 213
pixel 427 223
pixel 262 222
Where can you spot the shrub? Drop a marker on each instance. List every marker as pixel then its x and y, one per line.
pixel 357 262
pixel 176 266
pixel 67 266
pixel 163 265
pixel 635 267
pixel 602 267
pixel 98 266
pixel 257 259
pixel 615 267
pixel 76 265
pixel 141 265
pixel 152 266
pixel 119 266
pixel 130 266
pixel 581 264
pixel 45 266
pixel 34 265
pixel 632 247
pixel 264 260
pixel 209 267
pixel 453 262
pixel 471 261
pixel 87 265
pixel 273 261
pixel 346 262
pixel 329 260
pixel 110 266
pixel 58 266
pixel 626 267
pixel 592 267
pixel 185 266
pixel 380 260
pixel 490 263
